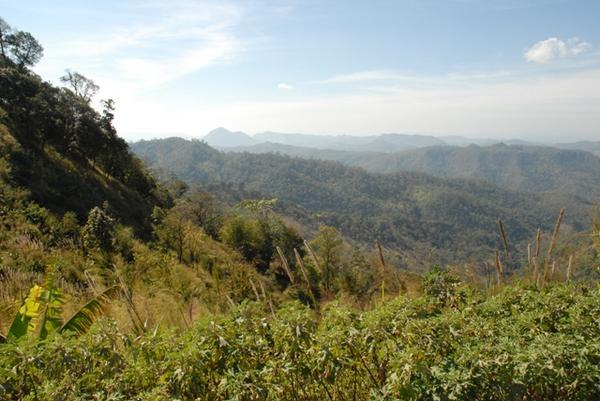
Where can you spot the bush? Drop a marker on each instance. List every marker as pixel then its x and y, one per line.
pixel 522 344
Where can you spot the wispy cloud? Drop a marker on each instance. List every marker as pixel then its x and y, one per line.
pixel 285 87
pixel 153 43
pixel 381 80
pixel 552 49
pixel 361 76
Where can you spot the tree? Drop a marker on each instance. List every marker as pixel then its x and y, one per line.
pixel 170 229
pixel 202 209
pixel 328 244
pixel 84 87
pixel 246 235
pixel 25 49
pixel 5 32
pixel 98 232
pixel 108 115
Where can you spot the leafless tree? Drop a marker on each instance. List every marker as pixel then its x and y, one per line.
pixel 82 86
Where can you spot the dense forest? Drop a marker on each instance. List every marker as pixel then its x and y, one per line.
pixel 412 212
pixel 116 284
pixel 540 169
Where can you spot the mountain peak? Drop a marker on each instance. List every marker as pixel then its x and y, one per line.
pixel 223 138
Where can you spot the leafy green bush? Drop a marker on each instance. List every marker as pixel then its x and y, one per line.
pixel 522 344
pixel 443 286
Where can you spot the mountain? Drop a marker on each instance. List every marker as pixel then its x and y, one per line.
pixel 408 211
pixel 377 143
pixel 388 143
pixel 588 146
pixel 343 156
pixel 454 140
pixel 223 138
pixel 517 167
pixel 314 141
pixel 524 168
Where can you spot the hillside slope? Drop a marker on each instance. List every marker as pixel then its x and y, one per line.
pixel 67 155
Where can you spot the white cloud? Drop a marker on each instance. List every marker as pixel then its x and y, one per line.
pixel 373 75
pixel 551 49
pixel 151 44
pixel 389 77
pixel 285 87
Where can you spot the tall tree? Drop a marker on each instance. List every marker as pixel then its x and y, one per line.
pixel 98 232
pixel 5 31
pixel 25 49
pixel 328 244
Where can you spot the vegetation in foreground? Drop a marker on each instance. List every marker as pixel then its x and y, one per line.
pixel 521 344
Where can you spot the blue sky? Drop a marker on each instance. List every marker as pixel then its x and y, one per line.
pixel 496 68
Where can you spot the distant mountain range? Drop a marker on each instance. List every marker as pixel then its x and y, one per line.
pixel 222 138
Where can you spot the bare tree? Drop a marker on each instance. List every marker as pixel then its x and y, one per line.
pixel 83 87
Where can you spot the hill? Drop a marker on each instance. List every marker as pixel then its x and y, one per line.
pixel 223 138
pixel 588 146
pixel 66 155
pixel 411 212
pixel 375 143
pixel 523 168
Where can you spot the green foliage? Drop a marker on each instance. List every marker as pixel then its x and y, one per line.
pixel 247 236
pixel 99 230
pixel 328 245
pixel 256 236
pixel 442 285
pixel 24 320
pixel 259 206
pixel 522 344
pixel 40 313
pixel 454 219
pixel 82 320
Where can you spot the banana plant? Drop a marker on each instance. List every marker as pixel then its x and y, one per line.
pixel 41 313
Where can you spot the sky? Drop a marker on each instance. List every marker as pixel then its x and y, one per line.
pixel 526 69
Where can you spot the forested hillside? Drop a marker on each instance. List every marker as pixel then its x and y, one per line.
pixel 405 211
pixel 524 168
pixel 587 146
pixel 67 154
pixel 82 219
pixel 517 167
